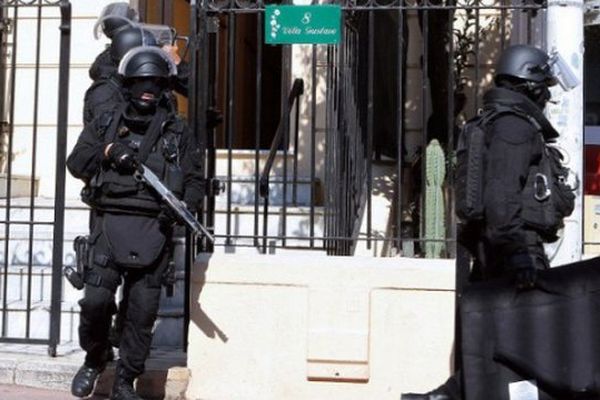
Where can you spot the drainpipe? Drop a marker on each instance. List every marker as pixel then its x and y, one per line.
pixel 565 34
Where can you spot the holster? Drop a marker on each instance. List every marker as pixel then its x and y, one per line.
pixel 76 277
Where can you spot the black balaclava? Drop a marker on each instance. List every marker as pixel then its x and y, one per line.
pixel 146 94
pixel 537 92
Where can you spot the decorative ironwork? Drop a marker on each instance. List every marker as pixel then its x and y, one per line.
pixel 369 112
pixel 30 3
pixel 19 321
pixel 379 5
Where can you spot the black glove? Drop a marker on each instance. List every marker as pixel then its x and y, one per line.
pixel 214 118
pixel 122 157
pixel 525 271
pixel 166 217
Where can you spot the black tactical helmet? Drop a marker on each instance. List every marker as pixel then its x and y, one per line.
pixel 525 62
pixel 128 38
pixel 147 62
pixel 114 17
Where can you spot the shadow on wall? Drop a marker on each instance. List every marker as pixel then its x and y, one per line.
pixel 197 314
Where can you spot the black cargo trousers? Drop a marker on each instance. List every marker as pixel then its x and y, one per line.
pixel 141 289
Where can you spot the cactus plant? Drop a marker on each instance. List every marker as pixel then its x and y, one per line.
pixel 435 172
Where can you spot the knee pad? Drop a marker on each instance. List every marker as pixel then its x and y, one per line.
pixel 98 302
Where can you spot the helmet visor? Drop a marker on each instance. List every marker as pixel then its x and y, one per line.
pixel 116 12
pixel 562 71
pixel 164 35
pixel 146 49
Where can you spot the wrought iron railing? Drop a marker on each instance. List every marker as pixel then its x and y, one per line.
pixel 282 141
pixel 372 103
pixel 15 329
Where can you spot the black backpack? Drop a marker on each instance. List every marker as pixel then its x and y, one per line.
pixel 547 198
pixel 470 166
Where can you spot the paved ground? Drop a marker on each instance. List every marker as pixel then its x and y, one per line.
pixel 28 373
pixel 14 392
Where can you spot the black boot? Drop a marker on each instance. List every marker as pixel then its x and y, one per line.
pixel 84 380
pixel 123 387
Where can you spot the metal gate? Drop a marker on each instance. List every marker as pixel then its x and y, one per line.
pixel 405 73
pixel 34 80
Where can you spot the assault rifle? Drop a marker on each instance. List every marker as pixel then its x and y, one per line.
pixel 178 207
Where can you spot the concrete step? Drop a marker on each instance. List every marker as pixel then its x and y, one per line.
pixel 298 192
pixel 297 225
pixel 166 376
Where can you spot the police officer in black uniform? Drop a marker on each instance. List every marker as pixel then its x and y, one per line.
pixel 106 89
pixel 130 236
pixel 508 240
pixel 120 23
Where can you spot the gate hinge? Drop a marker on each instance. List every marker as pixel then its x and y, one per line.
pixel 6 26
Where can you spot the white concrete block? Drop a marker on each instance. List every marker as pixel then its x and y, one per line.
pixel 254 317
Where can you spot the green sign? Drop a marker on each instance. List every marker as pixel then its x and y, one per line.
pixel 302 24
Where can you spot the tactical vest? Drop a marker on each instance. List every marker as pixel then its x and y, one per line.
pixel 546 197
pixel 111 191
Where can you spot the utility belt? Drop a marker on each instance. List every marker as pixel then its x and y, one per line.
pixel 99 258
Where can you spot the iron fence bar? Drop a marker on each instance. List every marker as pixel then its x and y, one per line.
pixel 42 207
pixel 4 32
pixel 393 7
pixel 265 223
pixel 286 142
pixel 231 45
pixel 529 28
pixel 25 341
pixel 295 173
pixel 340 238
pixel 36 87
pixel 313 140
pixel 49 223
pixel 282 134
pixel 502 27
pixel 349 170
pixel 61 149
pixel 340 148
pixel 399 135
pixel 425 92
pixel 476 52
pixel 296 91
pixel 451 230
pixel 202 101
pixel 193 123
pixel 210 64
pixel 9 168
pixel 369 155
pixel 330 94
pixel 339 134
pixel 193 91
pixel 258 119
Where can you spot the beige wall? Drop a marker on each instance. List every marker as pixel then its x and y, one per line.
pixel 294 326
